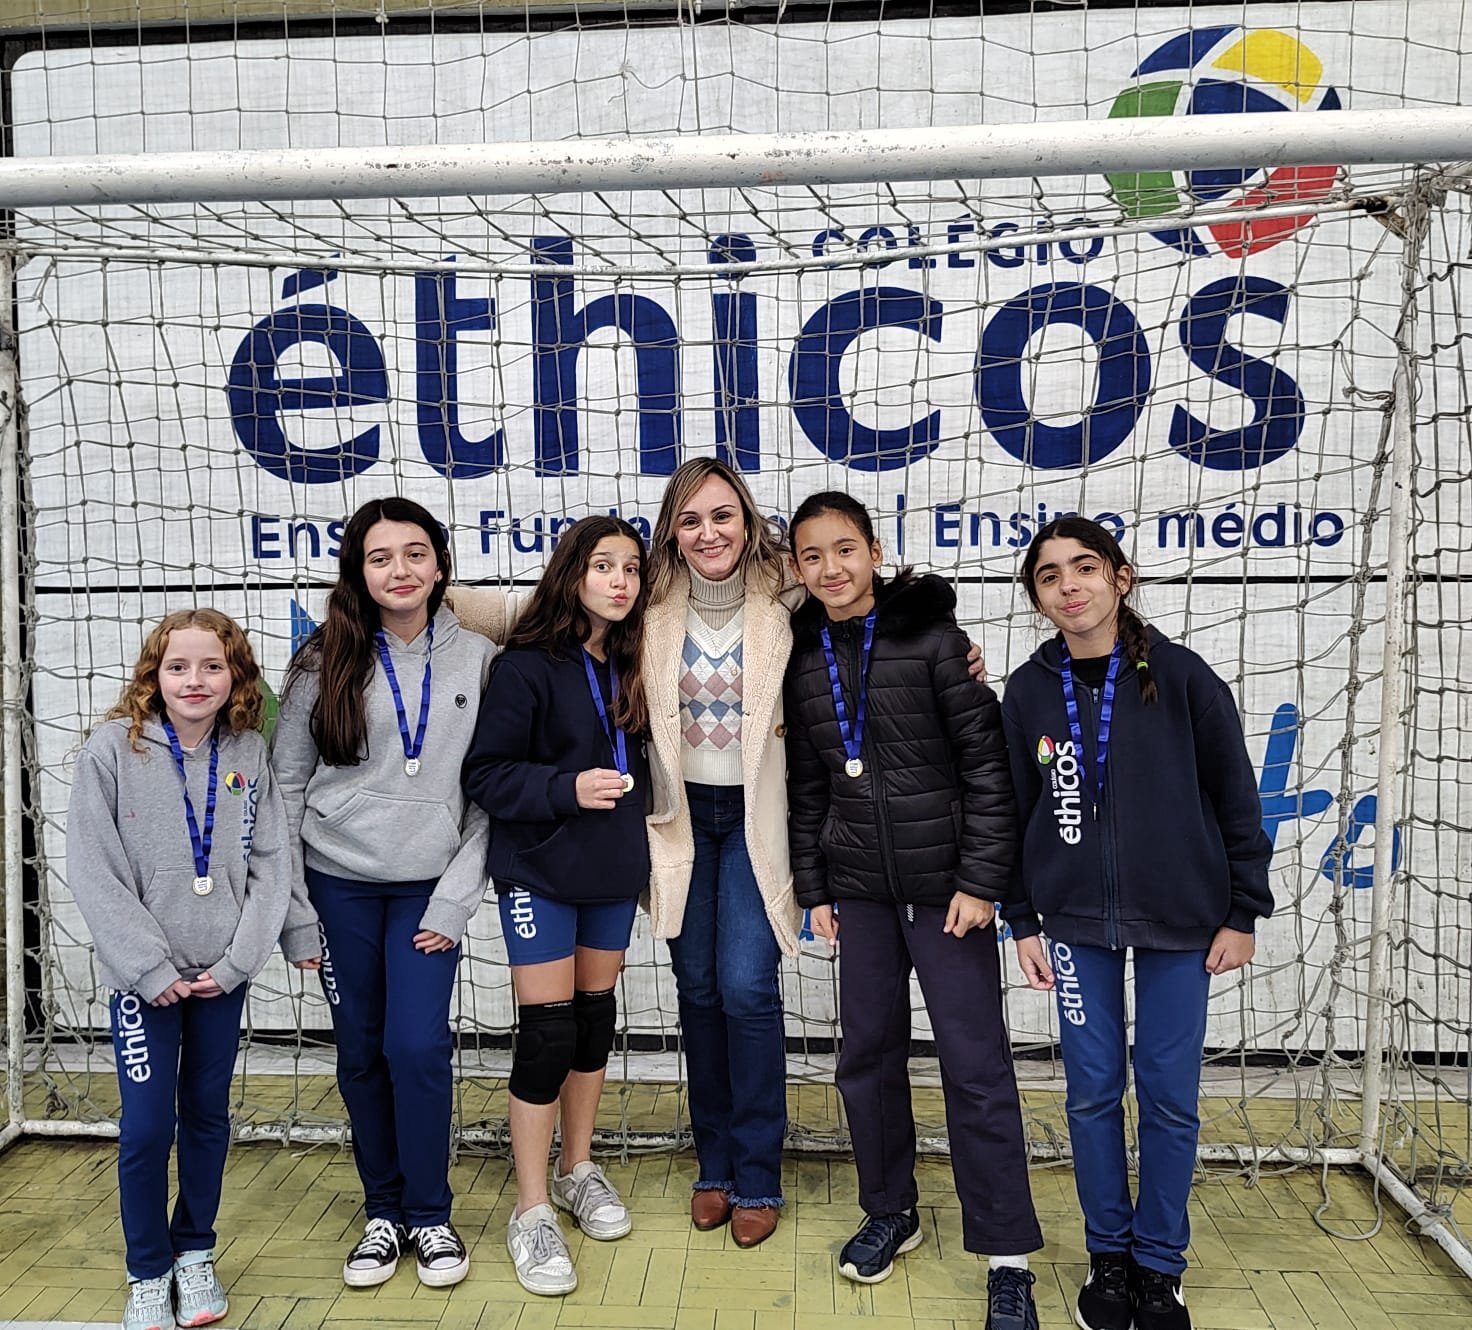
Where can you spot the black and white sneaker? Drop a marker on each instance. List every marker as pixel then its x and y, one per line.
pixel 376 1257
pixel 868 1256
pixel 439 1255
pixel 1159 1302
pixel 1104 1300
pixel 1009 1301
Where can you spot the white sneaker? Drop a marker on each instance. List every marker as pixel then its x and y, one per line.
pixel 588 1194
pixel 540 1253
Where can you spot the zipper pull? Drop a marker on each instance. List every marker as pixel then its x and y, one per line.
pixel 910 913
pixel 1096 812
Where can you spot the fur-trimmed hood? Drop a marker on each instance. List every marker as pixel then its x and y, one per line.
pixel 908 603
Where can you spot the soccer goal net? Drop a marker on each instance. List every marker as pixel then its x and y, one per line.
pixel 1197 272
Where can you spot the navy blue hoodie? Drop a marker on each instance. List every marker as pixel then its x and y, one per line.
pixel 1178 849
pixel 538 728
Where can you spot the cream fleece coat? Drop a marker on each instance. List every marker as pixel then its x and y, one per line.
pixel 766 637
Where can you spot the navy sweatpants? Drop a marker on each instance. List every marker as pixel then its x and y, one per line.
pixel 390 1009
pixel 1171 988
pixel 174 1067
pixel 961 979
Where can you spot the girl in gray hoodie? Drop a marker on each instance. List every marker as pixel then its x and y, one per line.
pixel 177 858
pixel 377 715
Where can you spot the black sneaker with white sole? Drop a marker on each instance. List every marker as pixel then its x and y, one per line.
pixel 1104 1300
pixel 439 1255
pixel 1159 1302
pixel 376 1257
pixel 868 1256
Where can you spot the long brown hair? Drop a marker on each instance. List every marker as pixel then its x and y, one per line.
pixel 555 619
pixel 1130 627
pixel 764 548
pixel 142 699
pixel 342 651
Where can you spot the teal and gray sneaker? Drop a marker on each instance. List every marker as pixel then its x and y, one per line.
pixel 150 1304
pixel 199 1299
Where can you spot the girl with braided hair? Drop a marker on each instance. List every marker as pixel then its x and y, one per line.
pixel 1142 832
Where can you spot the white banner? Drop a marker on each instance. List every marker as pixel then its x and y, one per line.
pixel 199 433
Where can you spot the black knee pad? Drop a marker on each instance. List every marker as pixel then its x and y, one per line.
pixel 596 1014
pixel 547 1034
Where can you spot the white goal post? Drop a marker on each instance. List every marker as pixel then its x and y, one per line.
pixel 1186 325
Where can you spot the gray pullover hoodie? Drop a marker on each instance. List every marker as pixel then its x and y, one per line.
pixel 131 868
pixel 372 822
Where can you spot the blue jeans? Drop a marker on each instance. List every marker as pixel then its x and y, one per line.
pixel 1171 989
pixel 725 962
pixel 174 1068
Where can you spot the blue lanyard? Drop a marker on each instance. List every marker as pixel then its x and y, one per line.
pixel 414 748
pixel 199 844
pixel 1106 717
pixel 615 735
pixel 853 737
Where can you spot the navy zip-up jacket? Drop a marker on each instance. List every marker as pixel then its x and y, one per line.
pixel 538 729
pixel 1178 849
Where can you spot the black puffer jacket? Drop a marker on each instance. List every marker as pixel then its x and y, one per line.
pixel 933 812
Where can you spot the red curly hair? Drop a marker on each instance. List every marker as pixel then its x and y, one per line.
pixel 143 701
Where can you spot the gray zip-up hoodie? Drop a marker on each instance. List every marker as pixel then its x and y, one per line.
pixel 130 865
pixel 372 822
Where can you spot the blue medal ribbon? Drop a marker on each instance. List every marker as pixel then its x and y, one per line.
pixel 615 735
pixel 852 736
pixel 413 748
pixel 1106 717
pixel 200 844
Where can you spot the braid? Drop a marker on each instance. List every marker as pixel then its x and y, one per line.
pixel 1137 650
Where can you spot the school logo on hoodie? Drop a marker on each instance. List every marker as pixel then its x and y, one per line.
pixel 1061 762
pixel 252 789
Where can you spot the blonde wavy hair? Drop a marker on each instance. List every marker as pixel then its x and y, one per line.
pixel 764 548
pixel 142 699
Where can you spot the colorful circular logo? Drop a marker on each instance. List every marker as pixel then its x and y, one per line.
pixel 1045 750
pixel 1221 71
pixel 234 782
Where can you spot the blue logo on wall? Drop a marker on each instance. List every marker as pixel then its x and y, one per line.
pixel 260 395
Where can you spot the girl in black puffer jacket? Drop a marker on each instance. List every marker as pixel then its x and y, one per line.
pixel 901 815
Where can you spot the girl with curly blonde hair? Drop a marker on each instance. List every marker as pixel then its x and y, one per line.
pixel 142 699
pixel 178 857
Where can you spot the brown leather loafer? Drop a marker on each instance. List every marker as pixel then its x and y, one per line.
pixel 751 1224
pixel 709 1209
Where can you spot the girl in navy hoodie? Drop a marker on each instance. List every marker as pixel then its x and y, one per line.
pixel 903 835
pixel 558 763
pixel 1142 830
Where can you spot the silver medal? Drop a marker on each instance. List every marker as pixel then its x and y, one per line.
pixel 203 885
pixel 854 767
pixel 411 766
pixel 627 781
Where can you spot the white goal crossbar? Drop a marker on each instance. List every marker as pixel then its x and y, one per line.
pixel 769 160
pixel 693 161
